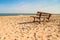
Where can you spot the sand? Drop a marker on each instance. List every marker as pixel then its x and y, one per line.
pixel 22 28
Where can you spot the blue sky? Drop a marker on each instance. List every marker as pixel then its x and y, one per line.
pixel 29 6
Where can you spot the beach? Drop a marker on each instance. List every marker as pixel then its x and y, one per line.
pixel 23 28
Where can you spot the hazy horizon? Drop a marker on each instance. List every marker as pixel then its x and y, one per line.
pixel 30 6
pixel 27 13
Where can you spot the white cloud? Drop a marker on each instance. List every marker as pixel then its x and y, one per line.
pixel 30 8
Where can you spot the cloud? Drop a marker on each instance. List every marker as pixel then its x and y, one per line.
pixel 52 9
pixel 30 8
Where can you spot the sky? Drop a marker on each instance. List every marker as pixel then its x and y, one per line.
pixel 29 6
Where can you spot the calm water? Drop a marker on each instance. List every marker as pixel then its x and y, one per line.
pixel 12 14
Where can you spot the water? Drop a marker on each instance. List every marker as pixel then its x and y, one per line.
pixel 13 14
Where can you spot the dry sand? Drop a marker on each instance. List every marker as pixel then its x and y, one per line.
pixel 22 28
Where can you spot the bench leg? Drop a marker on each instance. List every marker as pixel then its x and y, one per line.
pixel 34 19
pixel 39 20
pixel 47 20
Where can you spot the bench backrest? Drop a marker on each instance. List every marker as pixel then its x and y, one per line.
pixel 43 15
pixel 38 14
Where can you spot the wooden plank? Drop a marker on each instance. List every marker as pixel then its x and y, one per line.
pixel 42 15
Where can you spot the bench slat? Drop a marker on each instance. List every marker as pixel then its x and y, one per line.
pixel 42 15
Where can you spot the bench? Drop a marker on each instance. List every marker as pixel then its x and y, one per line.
pixel 42 15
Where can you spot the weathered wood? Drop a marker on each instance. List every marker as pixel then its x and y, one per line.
pixel 43 15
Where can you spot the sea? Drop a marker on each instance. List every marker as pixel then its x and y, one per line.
pixel 15 14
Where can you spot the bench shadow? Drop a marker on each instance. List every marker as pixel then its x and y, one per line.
pixel 27 22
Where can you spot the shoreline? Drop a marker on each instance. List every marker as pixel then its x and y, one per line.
pixel 21 14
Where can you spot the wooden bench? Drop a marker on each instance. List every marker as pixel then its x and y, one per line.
pixel 42 15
